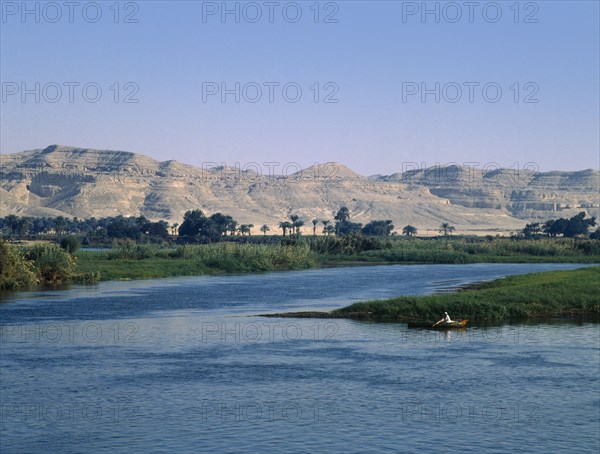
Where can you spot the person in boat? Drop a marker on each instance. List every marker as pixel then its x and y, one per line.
pixel 447 318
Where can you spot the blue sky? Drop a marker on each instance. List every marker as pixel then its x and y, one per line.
pixel 368 60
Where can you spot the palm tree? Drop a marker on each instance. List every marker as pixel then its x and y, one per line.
pixel 12 222
pixel 297 224
pixel 325 222
pixel 329 229
pixel 61 224
pixel 343 214
pixel 314 223
pixel 285 225
pixel 174 228
pixel 409 230
pixel 264 229
pixel 232 227
pixel 446 229
pixel 294 218
pixel 246 228
pixel 23 227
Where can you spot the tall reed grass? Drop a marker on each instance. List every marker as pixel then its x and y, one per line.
pixel 230 257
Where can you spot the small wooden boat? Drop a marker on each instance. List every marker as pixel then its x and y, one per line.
pixel 462 324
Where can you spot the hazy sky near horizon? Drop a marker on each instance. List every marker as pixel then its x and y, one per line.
pixel 348 81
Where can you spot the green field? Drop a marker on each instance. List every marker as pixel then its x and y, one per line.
pixel 144 261
pixel 554 294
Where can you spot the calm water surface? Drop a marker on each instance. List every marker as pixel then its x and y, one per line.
pixel 183 365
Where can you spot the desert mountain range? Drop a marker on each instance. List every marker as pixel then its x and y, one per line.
pixel 71 181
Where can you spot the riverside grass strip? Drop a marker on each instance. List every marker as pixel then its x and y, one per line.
pixel 545 295
pixel 146 261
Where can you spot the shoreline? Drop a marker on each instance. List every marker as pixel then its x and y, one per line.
pixel 49 265
pixel 367 317
pixel 156 268
pixel 532 298
pixel 219 272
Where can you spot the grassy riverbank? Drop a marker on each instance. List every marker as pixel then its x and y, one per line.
pixel 144 261
pixel 469 250
pixel 137 261
pixel 515 298
pixel 25 266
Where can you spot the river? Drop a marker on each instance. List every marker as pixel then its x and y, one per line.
pixel 184 365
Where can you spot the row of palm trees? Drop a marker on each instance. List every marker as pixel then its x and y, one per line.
pixel 444 228
pixel 293 227
pixel 295 223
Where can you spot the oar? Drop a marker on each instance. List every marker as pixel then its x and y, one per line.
pixel 438 322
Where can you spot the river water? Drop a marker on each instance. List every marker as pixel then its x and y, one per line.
pixel 183 365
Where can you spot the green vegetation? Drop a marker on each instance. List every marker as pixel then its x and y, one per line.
pixel 378 228
pixel 70 244
pixel 199 228
pixel 45 264
pixel 356 248
pixel 343 225
pixel 88 231
pixel 446 229
pixel 515 298
pixel 15 270
pixel 409 230
pixel 575 226
pixel 51 265
pixel 142 261
pixel 218 244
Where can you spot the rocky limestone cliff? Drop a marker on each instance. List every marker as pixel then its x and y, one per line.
pixel 525 194
pixel 62 180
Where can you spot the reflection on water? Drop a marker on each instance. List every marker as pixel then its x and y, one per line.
pixel 183 365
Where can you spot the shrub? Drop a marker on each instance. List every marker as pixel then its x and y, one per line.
pixel 346 245
pixel 70 244
pixel 53 265
pixel 16 271
pixel 132 251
